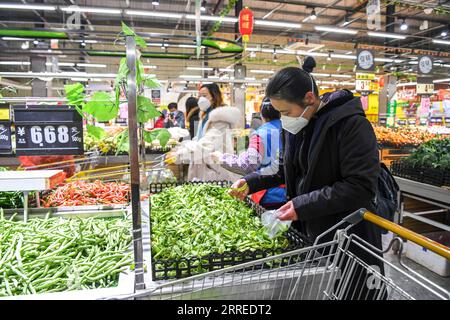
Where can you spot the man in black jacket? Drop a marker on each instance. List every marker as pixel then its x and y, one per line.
pixel 330 164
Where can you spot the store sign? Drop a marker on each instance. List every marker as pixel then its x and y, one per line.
pixel 48 130
pixel 425 88
pixel 5 129
pixel 401 122
pixel 365 60
pixel 382 121
pixel 425 65
pixel 412 121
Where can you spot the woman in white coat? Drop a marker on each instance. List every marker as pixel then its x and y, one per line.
pixel 212 135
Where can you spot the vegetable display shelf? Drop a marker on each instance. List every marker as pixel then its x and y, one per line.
pixel 165 269
pixel 390 154
pixel 428 175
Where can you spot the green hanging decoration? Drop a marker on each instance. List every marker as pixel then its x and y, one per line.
pixel 225 11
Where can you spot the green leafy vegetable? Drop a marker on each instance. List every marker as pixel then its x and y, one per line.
pixel 96 132
pixel 146 110
pixel 101 106
pixel 434 153
pixel 163 135
pixel 197 220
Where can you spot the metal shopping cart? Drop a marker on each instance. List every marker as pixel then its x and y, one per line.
pixel 327 270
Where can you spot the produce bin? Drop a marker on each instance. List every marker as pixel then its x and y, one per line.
pixel 164 269
pixel 428 175
pixel 125 282
pixel 427 258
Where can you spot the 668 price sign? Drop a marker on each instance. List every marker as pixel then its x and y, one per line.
pixel 61 132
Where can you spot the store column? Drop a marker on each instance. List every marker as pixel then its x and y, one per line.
pixel 239 73
pixel 38 87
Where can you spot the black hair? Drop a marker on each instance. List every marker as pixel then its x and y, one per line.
pixel 172 105
pixel 292 84
pixel 268 112
pixel 216 94
pixel 191 103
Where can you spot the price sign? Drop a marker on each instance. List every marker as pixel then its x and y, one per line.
pixel 363 85
pixel 423 122
pixel 411 121
pixel 401 122
pixel 48 130
pixel 5 129
pixel 425 88
pixel 365 60
pixel 425 65
pixel 383 121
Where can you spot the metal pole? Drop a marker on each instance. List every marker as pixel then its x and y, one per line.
pixel 134 165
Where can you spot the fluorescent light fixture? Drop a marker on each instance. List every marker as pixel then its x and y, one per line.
pixel 26 6
pixel 441 41
pixel 213 77
pixel 250 78
pixel 61 64
pixel 200 68
pixel 186 76
pixel 193 46
pixel 343 56
pixel 263 71
pixel 212 18
pixel 404 26
pixel 270 23
pixel 153 14
pixel 335 30
pixel 314 74
pixel 385 35
pixel 341 75
pixel 91 10
pixel 265 79
pixel 62 75
pixel 445 65
pixel 150 67
pixel 251 49
pixel 441 80
pixel 413 62
pixel 226 70
pixel 15 63
pixel 347 83
pixel 254 84
pixel 408 84
pixel 15 39
pixel 91 65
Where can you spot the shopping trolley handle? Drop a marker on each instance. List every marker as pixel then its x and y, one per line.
pixel 364 214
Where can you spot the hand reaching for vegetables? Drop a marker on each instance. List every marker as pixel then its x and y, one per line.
pixel 239 189
pixel 287 212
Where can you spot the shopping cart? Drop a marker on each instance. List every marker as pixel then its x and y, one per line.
pixel 328 270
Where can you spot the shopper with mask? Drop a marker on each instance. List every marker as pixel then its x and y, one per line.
pixel 212 135
pixel 330 162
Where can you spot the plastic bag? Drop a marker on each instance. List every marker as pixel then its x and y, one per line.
pixel 273 225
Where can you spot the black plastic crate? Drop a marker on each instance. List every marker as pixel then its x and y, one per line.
pixel 434 176
pixel 185 267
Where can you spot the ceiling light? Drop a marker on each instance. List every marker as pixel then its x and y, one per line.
pixel 91 10
pixel 313 15
pixel 335 30
pixel 212 18
pixel 155 2
pixel 263 71
pixel 15 63
pixel 203 7
pixel 26 7
pixel 341 75
pixel 61 75
pixel 346 20
pixel 404 26
pixel 385 35
pixel 406 84
pixel 329 57
pixel 269 23
pixel 265 79
pixel 250 78
pixel 14 39
pixel 441 41
pixel 226 70
pixel 314 74
pixel 153 14
pixel 200 68
pixel 25 45
pixel 441 80
pixel 252 54
pixel 61 64
pixel 83 44
pixel 35 42
pixel 343 56
pixel 150 67
pixel 91 65
pixel 186 76
pixel 444 33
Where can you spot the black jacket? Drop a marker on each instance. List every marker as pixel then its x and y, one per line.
pixel 330 169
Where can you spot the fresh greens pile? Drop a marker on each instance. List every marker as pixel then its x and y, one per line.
pixel 434 153
pixel 195 220
pixel 57 254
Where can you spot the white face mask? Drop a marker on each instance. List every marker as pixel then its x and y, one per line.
pixel 294 124
pixel 203 104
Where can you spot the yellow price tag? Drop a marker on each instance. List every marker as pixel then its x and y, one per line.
pixel 4 114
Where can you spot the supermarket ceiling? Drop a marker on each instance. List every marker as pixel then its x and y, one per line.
pixel 284 32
